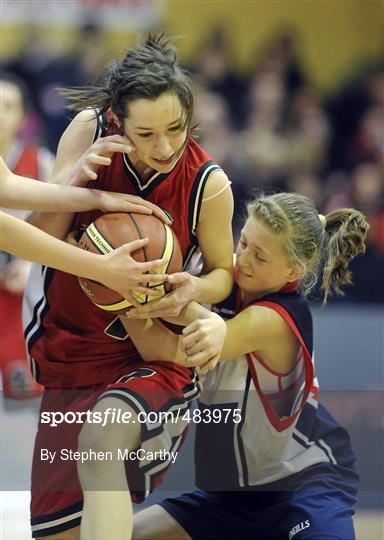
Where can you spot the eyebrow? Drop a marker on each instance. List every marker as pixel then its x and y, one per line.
pixel 172 124
pixel 260 248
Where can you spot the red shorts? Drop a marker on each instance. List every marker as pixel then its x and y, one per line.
pixel 149 388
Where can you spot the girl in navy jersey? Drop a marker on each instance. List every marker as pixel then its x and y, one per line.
pixel 132 135
pixel 276 465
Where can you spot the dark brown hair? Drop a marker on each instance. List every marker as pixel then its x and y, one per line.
pixel 147 71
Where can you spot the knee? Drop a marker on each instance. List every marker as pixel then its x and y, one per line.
pixel 105 429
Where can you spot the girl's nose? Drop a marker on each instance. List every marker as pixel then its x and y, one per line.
pixel 163 148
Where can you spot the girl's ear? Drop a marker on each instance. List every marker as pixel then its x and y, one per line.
pixel 296 274
pixel 112 118
pixel 116 121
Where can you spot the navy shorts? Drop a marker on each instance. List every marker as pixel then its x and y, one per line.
pixel 319 507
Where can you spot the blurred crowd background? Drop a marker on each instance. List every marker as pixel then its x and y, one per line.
pixel 271 116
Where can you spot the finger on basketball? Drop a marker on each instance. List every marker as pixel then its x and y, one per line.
pixel 129 296
pixel 177 278
pixel 138 208
pixel 153 309
pixel 158 212
pixel 153 278
pixel 152 266
pixel 147 290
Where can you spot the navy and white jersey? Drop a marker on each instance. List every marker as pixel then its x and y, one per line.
pixel 275 427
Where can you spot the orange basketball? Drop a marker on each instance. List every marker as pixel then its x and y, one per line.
pixel 113 230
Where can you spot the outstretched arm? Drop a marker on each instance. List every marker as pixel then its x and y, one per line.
pixel 208 339
pixel 154 341
pixel 117 270
pixel 77 162
pixel 19 192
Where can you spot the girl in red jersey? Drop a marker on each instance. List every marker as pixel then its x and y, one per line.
pixel 139 127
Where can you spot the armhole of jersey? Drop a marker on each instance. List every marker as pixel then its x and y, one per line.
pixel 278 423
pixel 197 196
pixel 100 128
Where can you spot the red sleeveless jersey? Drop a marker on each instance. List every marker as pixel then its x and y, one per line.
pixel 29 160
pixel 71 342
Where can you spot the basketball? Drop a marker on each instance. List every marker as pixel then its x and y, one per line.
pixel 110 231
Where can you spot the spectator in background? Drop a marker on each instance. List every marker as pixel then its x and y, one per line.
pixel 213 66
pixel 35 162
pixel 45 68
pixel 307 131
pixel 263 144
pixel 219 138
pixel 280 56
pixel 346 109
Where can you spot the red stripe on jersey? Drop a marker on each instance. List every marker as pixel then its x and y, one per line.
pixel 278 423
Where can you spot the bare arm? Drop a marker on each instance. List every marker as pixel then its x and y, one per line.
pixel 214 233
pixel 255 329
pixel 74 142
pixel 77 163
pixel 148 334
pixel 22 193
pixel 207 338
pixel 117 270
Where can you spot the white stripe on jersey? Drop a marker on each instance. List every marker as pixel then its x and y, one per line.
pixel 34 294
pixel 328 449
pixel 199 195
pixel 320 443
pixel 237 439
pixel 141 186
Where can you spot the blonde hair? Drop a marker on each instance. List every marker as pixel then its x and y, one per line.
pixel 311 242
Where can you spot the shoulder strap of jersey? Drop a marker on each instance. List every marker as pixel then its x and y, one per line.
pixel 294 303
pixel 101 125
pixel 197 193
